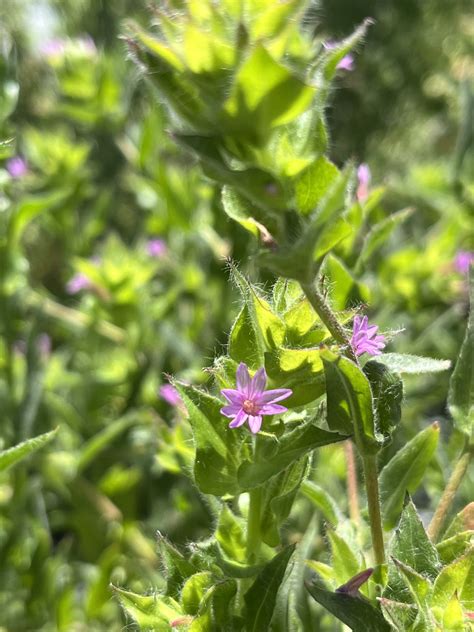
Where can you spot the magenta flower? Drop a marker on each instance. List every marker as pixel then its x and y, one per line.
pixel 156 247
pixel 251 401
pixel 463 260
pixel 170 395
pixel 347 62
pixel 364 176
pixel 365 339
pixel 17 167
pixel 77 283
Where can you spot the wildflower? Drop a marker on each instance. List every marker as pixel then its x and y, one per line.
pixel 170 395
pixel 77 283
pixel 365 339
pixel 364 176
pixel 156 247
pixel 250 401
pixel 463 261
pixel 17 167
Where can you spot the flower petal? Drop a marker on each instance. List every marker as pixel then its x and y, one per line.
pixel 231 411
pixel 274 395
pixel 272 409
pixel 240 419
pixel 243 379
pixel 255 423
pixel 233 396
pixel 259 381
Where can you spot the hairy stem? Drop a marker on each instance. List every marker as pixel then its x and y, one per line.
pixel 253 525
pixel 449 493
pixel 329 318
pixel 352 485
pixel 373 502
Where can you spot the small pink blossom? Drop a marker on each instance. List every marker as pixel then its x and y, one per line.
pixel 170 395
pixel 365 339
pixel 77 283
pixel 156 247
pixel 347 62
pixel 364 177
pixel 250 401
pixel 463 261
pixel 17 167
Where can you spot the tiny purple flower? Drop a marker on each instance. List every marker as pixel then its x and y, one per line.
pixel 364 177
pixel 156 248
pixel 463 261
pixel 352 586
pixel 17 167
pixel 347 62
pixel 250 401
pixel 53 47
pixel 365 339
pixel 170 395
pixel 77 283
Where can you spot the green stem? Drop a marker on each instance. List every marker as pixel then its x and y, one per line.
pixel 329 318
pixel 253 525
pixel 372 488
pixel 449 493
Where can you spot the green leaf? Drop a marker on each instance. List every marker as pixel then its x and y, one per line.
pixel 176 568
pixel 230 535
pixel 462 521
pixel 412 546
pixel 404 472
pixel 265 94
pixel 400 615
pixel 349 401
pixel 276 456
pixel 254 219
pixel 452 579
pixel 261 597
pixel 387 391
pixel 313 184
pixel 17 453
pixel 451 548
pixel 222 595
pixel 217 447
pixel 344 290
pixel 335 55
pixel 194 590
pixel 243 342
pixel 150 612
pixel 323 501
pixel 357 613
pixel 343 559
pixel 419 588
pixel 461 387
pixel 406 363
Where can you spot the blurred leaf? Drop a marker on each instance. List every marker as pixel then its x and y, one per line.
pixel 102 440
pixel 230 535
pixel 22 450
pixel 406 363
pixel 313 184
pixel 461 388
pixel 323 501
pixel 343 288
pixel 349 401
pixel 261 597
pixel 404 472
pixel 355 612
pixel 343 559
pixel 291 447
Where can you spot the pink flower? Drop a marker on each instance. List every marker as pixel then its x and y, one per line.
pixel 463 261
pixel 17 167
pixel 170 395
pixel 365 339
pixel 250 401
pixel 364 176
pixel 347 62
pixel 77 283
pixel 156 247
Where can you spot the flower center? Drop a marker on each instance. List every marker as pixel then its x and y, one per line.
pixel 250 407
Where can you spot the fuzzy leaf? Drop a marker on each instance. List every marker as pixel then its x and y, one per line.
pixel 150 612
pixel 323 501
pixel 404 472
pixel 452 579
pixel 387 390
pixel 357 613
pixel 313 184
pixel 22 450
pixel 461 388
pixel 406 363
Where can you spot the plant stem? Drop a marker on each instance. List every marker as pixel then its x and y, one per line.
pixel 253 525
pixel 449 493
pixel 329 318
pixel 373 502
pixel 352 486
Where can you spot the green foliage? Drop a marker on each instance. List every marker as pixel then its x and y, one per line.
pixel 14 455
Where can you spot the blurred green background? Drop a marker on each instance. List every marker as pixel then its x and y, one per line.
pixel 113 275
